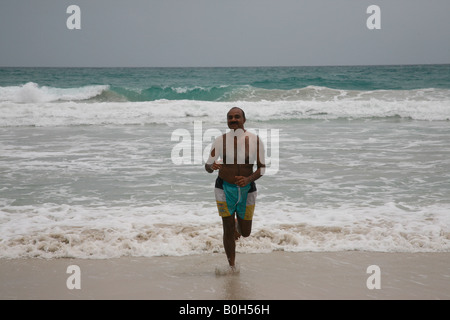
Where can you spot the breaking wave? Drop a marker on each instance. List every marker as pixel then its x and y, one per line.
pixel 53 231
pixel 33 93
pixel 33 105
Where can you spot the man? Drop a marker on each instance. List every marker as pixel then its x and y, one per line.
pixel 235 188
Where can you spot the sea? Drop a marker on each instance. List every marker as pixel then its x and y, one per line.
pixel 102 163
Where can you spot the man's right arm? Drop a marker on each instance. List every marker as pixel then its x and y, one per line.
pixel 211 160
pixel 211 164
pixel 211 167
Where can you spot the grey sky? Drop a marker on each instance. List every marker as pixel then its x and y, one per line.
pixel 223 33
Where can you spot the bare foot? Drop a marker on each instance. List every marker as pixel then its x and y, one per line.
pixel 227 270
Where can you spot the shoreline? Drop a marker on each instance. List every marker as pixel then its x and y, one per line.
pixel 267 276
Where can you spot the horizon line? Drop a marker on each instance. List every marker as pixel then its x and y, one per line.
pixel 232 66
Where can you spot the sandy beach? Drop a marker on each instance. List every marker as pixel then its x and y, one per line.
pixel 271 276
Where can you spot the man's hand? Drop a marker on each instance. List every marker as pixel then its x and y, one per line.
pixel 211 167
pixel 242 181
pixel 216 166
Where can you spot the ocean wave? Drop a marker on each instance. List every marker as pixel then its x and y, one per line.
pixel 33 93
pixel 186 111
pixel 154 93
pixel 32 105
pixel 53 231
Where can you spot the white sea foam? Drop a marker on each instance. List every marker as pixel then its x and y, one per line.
pixel 32 105
pixel 72 231
pixel 185 111
pixel 32 93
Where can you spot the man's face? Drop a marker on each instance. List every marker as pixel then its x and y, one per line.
pixel 235 119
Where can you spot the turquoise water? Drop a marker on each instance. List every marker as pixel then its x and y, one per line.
pixel 359 159
pixel 228 84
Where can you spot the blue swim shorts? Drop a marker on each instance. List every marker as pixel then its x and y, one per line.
pixel 231 198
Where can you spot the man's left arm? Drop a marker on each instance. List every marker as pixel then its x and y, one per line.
pixel 260 162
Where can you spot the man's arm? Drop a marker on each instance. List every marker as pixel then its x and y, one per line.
pixel 211 167
pixel 257 174
pixel 211 164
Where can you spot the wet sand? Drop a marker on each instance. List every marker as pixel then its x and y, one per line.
pixel 269 276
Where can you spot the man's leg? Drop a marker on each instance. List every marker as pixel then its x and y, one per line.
pixel 245 210
pixel 244 227
pixel 229 242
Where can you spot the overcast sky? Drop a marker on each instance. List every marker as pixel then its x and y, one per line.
pixel 164 33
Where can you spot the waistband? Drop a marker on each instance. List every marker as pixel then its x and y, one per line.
pixel 220 182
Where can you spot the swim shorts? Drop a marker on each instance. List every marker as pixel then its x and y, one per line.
pixel 231 198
